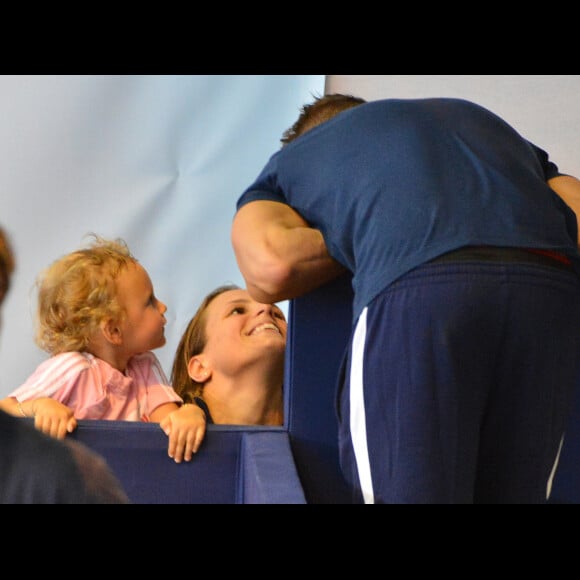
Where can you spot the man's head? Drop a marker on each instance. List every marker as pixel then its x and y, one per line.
pixel 6 264
pixel 320 110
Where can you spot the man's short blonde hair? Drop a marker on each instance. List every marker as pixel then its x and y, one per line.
pixel 320 110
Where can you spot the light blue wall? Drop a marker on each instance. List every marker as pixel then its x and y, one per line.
pixel 158 160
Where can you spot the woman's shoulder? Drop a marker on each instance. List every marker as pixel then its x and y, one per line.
pixel 203 406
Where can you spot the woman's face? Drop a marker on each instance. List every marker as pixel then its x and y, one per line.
pixel 241 331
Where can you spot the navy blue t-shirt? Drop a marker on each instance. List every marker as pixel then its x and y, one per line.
pixel 395 183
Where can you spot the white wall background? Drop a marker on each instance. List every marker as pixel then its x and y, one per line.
pixel 543 108
pixel 158 160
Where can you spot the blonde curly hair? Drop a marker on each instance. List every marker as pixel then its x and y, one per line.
pixel 77 292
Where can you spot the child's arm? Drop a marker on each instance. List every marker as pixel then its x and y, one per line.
pixel 50 416
pixel 184 425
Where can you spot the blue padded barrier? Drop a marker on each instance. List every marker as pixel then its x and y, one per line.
pixel 319 326
pixel 224 471
pixel 268 476
pixel 294 464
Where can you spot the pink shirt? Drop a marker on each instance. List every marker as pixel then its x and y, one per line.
pixel 93 389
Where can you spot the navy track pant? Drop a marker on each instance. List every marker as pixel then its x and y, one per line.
pixel 457 384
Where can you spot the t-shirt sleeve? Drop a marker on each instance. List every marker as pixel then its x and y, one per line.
pixel 549 168
pixel 56 378
pixel 265 187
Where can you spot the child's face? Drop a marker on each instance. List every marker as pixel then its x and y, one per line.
pixel 241 331
pixel 144 324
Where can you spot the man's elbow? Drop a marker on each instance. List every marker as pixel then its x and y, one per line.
pixel 269 283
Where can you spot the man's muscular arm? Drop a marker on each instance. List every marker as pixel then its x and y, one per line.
pixel 279 255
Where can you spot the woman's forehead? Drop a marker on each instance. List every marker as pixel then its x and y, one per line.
pixel 229 297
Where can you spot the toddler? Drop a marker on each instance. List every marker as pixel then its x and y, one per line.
pixel 99 319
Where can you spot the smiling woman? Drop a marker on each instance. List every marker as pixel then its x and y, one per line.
pixel 230 359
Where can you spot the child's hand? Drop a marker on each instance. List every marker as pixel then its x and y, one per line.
pixel 53 417
pixel 185 428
